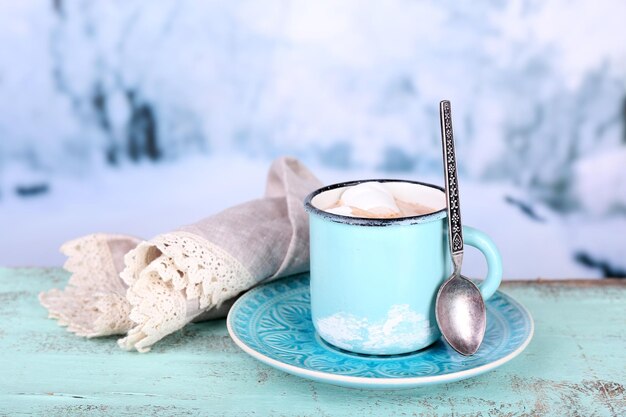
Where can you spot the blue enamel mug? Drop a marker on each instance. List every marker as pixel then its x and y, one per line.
pixel 374 281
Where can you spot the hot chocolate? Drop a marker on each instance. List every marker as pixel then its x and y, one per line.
pixel 375 200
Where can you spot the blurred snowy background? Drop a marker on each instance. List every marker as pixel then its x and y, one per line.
pixel 136 117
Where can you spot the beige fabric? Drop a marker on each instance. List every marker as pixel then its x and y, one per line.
pixel 193 273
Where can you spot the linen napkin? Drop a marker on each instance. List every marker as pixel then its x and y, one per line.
pixel 149 289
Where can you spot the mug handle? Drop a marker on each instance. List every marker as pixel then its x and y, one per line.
pixel 483 243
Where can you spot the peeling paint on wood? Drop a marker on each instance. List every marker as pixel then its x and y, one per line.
pixel 575 365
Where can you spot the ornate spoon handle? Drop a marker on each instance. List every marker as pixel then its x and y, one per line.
pixel 455 230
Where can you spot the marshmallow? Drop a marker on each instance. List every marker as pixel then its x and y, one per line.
pixel 373 197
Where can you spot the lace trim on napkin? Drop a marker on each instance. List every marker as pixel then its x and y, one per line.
pixel 174 278
pixel 94 301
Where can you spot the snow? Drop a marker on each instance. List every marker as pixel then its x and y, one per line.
pixel 218 89
pixel 146 200
pixel 600 183
pixel 304 78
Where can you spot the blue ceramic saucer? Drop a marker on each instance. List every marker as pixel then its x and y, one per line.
pixel 273 324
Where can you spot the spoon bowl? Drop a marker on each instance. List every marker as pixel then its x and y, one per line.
pixel 461 314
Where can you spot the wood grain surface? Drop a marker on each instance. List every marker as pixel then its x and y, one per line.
pixel 575 365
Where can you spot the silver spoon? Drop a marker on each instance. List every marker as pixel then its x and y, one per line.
pixel 459 308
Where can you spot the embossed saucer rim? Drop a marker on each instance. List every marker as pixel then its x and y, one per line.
pixel 408 382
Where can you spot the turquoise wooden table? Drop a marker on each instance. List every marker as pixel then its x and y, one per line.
pixel 575 365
